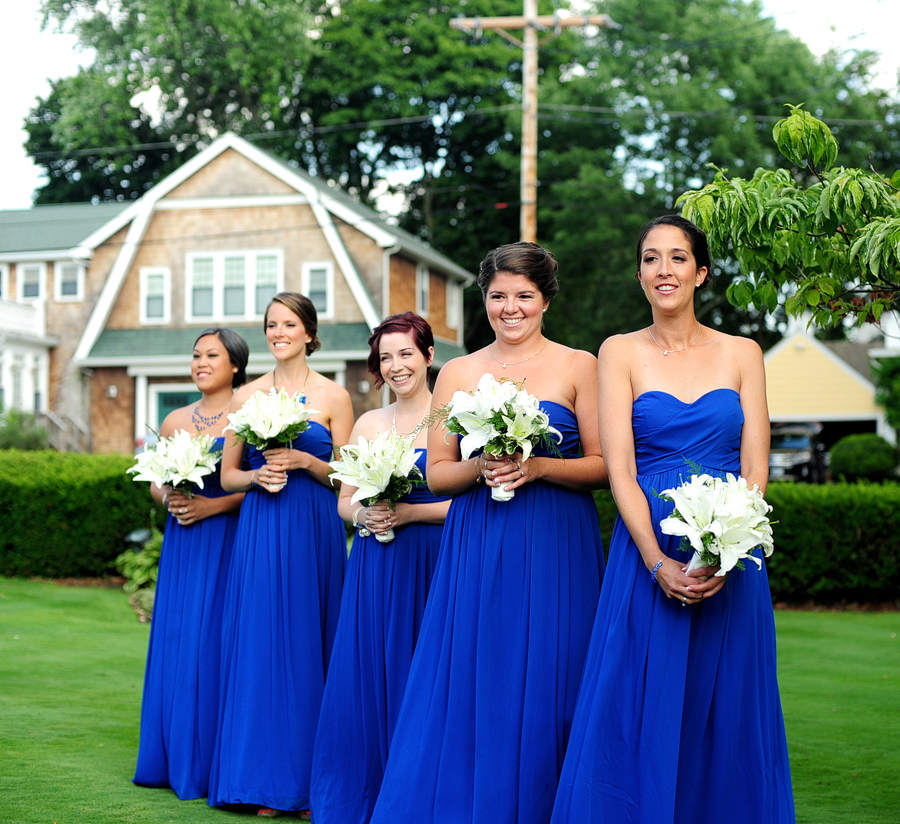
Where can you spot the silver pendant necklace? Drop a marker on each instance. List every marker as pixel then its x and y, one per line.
pixel 666 351
pixel 530 357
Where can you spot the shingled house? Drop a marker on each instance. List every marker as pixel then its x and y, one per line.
pixel 103 302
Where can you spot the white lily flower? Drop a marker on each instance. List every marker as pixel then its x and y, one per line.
pixel 177 461
pixel 380 469
pixel 266 420
pixel 723 520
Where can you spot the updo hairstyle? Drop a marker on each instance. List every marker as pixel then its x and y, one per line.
pixel 522 258
pixel 304 309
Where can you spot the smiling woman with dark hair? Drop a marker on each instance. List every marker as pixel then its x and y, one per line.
pixel 679 718
pixel 482 732
pixel 181 686
pixel 285 583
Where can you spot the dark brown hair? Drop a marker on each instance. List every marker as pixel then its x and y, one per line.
pixel 304 309
pixel 405 323
pixel 523 258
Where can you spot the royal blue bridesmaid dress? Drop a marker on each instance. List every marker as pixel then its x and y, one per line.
pixel 483 727
pixel 679 717
pixel 281 611
pixel 382 606
pixel 181 685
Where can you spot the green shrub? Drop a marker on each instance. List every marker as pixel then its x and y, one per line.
pixel 833 543
pixel 141 566
pixel 20 430
pixel 67 514
pixel 863 457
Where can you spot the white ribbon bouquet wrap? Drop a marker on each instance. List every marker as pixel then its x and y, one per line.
pixel 500 418
pixel 383 469
pixel 721 519
pixel 270 421
pixel 178 461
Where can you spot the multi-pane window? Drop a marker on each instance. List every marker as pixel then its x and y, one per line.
pixel 266 281
pixel 31 278
pixel 453 301
pixel 318 285
pixel 231 285
pixel 69 281
pixel 423 289
pixel 155 297
pixel 202 288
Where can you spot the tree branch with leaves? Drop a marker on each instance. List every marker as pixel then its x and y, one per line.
pixel 824 239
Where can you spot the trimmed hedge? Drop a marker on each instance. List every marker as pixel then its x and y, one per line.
pixel 833 543
pixel 67 514
pixel 863 457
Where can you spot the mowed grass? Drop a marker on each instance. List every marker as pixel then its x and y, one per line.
pixel 71 669
pixel 839 674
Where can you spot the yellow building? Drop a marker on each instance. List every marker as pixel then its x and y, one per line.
pixel 825 382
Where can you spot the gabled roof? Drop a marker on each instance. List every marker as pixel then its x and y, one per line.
pixel 325 202
pixel 847 356
pixel 54 227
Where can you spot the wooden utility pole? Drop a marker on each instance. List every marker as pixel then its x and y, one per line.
pixel 529 44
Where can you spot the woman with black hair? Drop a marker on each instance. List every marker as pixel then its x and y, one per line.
pixel 678 718
pixel 181 686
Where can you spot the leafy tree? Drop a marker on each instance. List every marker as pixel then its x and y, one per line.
pixel 886 372
pixel 830 247
pixel 69 131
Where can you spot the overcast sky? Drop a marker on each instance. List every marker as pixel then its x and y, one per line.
pixel 30 57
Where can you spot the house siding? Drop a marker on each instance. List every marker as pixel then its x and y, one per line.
pixel 229 175
pixel 802 381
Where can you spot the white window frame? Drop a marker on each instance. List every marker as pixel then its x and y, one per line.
pixel 20 280
pixel 58 296
pixel 145 273
pixel 305 273
pixel 218 258
pixel 423 289
pixel 4 281
pixel 454 311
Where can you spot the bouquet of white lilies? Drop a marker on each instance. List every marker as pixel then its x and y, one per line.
pixel 383 469
pixel 721 519
pixel 269 421
pixel 500 418
pixel 178 461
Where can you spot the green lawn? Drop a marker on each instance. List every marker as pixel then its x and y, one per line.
pixel 72 659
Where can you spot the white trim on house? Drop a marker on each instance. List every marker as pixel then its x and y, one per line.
pixel 115 279
pixel 344 261
pixel 80 271
pixel 42 255
pixel 175 204
pixel 4 282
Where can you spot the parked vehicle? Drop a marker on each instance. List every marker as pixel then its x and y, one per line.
pixel 797 454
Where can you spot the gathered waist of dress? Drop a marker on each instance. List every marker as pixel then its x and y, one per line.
pixel 687 466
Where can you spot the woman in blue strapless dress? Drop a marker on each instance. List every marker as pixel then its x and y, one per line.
pixel 181 685
pixel 283 597
pixel 384 592
pixel 483 727
pixel 679 718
